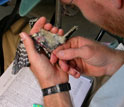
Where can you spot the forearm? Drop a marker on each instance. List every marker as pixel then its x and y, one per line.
pixel 58 100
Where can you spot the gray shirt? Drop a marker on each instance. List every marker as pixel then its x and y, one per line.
pixel 111 94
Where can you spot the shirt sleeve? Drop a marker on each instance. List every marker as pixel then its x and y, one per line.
pixel 111 94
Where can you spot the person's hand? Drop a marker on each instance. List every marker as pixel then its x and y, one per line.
pixel 87 57
pixel 46 73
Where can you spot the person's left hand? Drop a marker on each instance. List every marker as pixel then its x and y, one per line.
pixel 47 74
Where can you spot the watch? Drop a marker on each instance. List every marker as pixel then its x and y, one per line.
pixel 56 89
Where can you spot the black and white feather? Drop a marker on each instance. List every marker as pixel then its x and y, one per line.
pixel 21 58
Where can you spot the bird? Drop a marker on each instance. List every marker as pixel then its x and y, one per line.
pixel 43 41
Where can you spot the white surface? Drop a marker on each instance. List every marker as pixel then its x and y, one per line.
pixel 120 47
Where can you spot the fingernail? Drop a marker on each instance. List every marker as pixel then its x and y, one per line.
pixel 60 53
pixel 22 35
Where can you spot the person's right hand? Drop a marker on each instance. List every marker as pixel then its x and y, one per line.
pixel 88 57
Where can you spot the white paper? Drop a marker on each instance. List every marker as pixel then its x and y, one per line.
pixel 120 47
pixel 80 88
pixel 23 90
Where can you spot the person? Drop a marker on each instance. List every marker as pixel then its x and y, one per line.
pixel 89 57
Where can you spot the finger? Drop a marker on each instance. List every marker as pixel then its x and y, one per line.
pixel 77 75
pixel 38 25
pixel 70 70
pixel 48 26
pixel 79 64
pixel 74 72
pixel 63 65
pixel 29 45
pixel 53 58
pixel 84 52
pixel 61 32
pixel 62 47
pixel 67 54
pixel 54 30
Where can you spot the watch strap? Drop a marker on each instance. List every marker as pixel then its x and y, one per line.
pixel 56 89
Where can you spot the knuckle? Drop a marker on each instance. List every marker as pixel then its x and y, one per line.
pixel 78 37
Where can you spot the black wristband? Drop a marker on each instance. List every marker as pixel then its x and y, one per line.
pixel 56 89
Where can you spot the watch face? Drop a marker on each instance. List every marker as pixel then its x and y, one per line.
pixel 52 90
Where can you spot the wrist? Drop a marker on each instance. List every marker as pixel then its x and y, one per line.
pixel 49 83
pixel 116 62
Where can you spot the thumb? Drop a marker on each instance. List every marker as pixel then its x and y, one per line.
pixel 85 52
pixel 29 45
